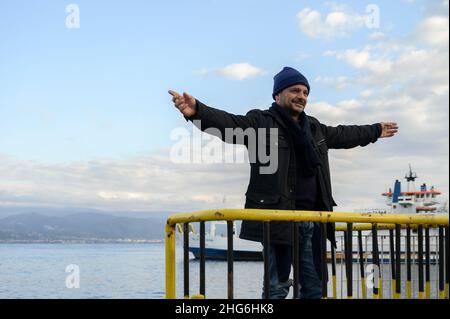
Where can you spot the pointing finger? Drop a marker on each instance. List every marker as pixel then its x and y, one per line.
pixel 174 94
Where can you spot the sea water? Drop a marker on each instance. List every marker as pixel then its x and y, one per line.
pixel 133 271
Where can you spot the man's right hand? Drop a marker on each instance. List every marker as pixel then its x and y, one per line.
pixel 186 103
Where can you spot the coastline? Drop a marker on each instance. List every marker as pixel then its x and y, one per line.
pixel 84 241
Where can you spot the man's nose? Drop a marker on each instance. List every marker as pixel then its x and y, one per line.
pixel 302 96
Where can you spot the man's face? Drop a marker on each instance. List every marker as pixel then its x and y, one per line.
pixel 294 98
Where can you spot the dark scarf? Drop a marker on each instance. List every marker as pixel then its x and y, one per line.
pixel 300 133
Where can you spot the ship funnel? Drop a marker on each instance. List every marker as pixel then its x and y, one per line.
pixel 397 189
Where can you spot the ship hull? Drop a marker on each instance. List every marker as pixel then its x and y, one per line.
pixel 222 254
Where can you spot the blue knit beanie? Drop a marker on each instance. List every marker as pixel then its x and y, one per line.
pixel 286 78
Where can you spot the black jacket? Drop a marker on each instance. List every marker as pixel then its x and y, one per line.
pixel 275 191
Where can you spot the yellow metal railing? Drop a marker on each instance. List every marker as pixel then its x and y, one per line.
pixel 359 221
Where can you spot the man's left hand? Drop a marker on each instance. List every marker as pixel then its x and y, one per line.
pixel 388 129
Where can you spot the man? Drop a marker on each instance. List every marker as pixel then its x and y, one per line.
pixel 302 178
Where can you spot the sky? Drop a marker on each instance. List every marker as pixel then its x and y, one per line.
pixel 86 121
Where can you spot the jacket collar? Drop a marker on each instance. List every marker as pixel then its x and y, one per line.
pixel 278 119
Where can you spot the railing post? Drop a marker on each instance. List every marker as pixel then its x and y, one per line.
pixel 170 261
pixel 202 259
pixel 333 270
pixel 408 262
pixel 186 259
pixel 392 260
pixel 266 244
pixel 398 275
pixel 324 266
pixel 295 258
pixel 349 260
pixel 447 265
pixel 376 261
pixel 361 265
pixel 381 267
pixel 230 259
pixel 427 263
pixel 441 263
pixel 420 258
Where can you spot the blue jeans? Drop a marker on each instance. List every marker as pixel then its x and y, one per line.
pixel 310 285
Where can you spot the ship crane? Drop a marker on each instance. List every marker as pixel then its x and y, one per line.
pixel 410 179
pixel 412 201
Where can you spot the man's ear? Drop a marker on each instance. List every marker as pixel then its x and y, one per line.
pixel 277 98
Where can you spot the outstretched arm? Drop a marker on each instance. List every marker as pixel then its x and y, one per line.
pixel 209 117
pixel 349 136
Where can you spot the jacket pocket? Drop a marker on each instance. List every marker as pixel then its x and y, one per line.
pixel 322 147
pixel 282 142
pixel 259 200
pixel 275 141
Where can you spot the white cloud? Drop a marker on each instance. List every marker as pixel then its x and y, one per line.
pixel 151 183
pixel 400 80
pixel 423 70
pixel 362 59
pixel 339 83
pixel 358 59
pixel 335 24
pixel 366 93
pixel 360 175
pixel 434 30
pixel 240 71
pixel 301 57
pixel 202 72
pixel 377 35
pixel 329 53
pixel 336 19
pixel 236 71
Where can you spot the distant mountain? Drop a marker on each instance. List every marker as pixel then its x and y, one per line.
pixel 6 211
pixel 80 226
